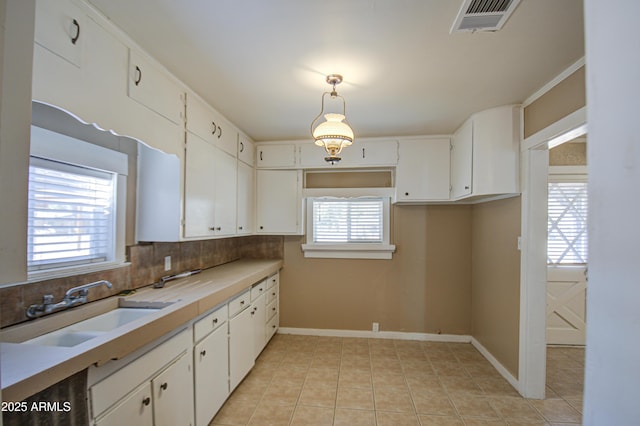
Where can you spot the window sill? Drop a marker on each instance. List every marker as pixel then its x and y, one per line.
pixel 352 251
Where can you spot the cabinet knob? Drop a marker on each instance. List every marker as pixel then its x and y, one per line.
pixel 164 386
pixel 146 401
pixel 466 187
pixel 203 353
pixel 262 227
pixel 218 228
pixel 240 228
pixel 273 309
pixel 241 302
pixel 75 38
pixel 406 193
pixel 215 320
pixel 212 228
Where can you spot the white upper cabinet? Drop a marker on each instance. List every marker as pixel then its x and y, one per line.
pixel 461 160
pixel 210 190
pixel 423 170
pixel 246 150
pixel 370 153
pixel 279 202
pixel 361 153
pixel 60 29
pixel 246 199
pixel 276 155
pixel 204 121
pixel 153 88
pixel 486 154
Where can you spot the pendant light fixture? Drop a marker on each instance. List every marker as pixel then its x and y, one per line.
pixel 334 133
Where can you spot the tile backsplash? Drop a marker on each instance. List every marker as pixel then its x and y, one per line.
pixel 146 267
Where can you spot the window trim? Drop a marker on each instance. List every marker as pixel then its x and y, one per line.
pixel 55 146
pixel 353 250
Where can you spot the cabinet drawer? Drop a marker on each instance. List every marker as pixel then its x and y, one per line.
pixel 271 310
pixel 134 409
pixel 108 391
pixel 209 323
pixel 273 280
pixel 238 304
pixel 272 327
pixel 272 294
pixel 258 289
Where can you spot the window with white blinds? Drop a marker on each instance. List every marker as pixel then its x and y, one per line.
pixel 348 221
pixel 567 223
pixel 71 215
pixel 351 227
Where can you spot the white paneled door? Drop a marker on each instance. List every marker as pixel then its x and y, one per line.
pixel 566 305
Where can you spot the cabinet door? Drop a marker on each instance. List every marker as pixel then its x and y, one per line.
pixel 173 394
pixel 225 193
pixel 274 155
pixel 380 153
pixel 312 155
pixel 259 319
pixel 246 199
pixel 135 409
pixel 199 208
pixel 211 364
pixel 246 151
pixel 59 28
pixel 461 160
pixel 154 89
pixel 279 203
pixel 241 350
pixel 205 122
pixel 423 170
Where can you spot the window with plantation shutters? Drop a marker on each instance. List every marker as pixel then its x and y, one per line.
pixel 567 223
pixel 348 228
pixel 71 215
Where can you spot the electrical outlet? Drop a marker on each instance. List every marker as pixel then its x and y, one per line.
pixel 167 263
pixel 376 327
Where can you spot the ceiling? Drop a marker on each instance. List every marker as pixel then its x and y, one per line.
pixel 263 63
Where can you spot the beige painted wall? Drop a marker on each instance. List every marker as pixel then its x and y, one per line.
pixel 425 288
pixel 566 97
pixel 495 292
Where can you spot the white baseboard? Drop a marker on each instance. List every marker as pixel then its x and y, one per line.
pixel 496 364
pixel 399 335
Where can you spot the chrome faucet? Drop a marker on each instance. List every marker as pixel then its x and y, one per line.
pixel 73 297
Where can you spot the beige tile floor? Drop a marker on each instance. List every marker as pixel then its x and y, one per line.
pixel 309 380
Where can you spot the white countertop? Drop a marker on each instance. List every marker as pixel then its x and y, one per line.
pixel 26 369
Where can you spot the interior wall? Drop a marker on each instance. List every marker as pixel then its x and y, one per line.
pixel 495 290
pixel 566 97
pixel 425 288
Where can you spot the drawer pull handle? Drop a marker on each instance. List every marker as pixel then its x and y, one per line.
pixel 215 320
pixel 242 302
pixel 77 36
pixel 203 353
pixel 146 401
pixel 241 147
pixel 260 289
pixel 164 386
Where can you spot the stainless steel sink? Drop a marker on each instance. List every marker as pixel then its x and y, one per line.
pixel 82 331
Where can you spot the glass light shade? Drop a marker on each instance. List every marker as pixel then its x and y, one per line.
pixel 333 134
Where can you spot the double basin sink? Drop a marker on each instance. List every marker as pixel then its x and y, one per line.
pixel 98 325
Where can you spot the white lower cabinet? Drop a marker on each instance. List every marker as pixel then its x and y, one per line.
pixel 173 394
pixel 211 365
pixel 156 388
pixel 258 312
pixel 135 409
pixel 241 339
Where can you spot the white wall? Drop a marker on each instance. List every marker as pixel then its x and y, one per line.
pixel 612 387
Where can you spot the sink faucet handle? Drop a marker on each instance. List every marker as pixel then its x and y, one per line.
pixel 47 299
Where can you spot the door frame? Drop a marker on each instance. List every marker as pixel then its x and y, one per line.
pixel 534 162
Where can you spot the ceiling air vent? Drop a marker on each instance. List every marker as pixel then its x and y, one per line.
pixel 483 15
